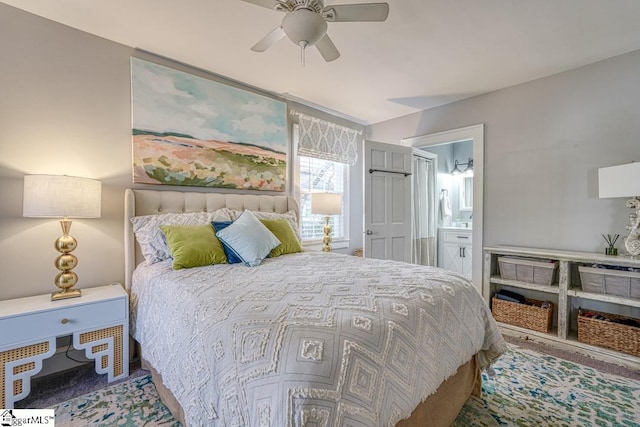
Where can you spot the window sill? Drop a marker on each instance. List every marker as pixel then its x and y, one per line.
pixel 316 245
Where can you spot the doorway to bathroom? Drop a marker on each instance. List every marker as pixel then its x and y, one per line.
pixel 458 197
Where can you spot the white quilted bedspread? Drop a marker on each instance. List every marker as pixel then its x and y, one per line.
pixel 308 339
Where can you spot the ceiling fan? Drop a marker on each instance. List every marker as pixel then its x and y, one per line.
pixel 305 22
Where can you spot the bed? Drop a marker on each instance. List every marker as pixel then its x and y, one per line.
pixel 305 338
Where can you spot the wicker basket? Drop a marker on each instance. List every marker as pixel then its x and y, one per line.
pixel 525 270
pixel 612 282
pixel 615 336
pixel 527 316
pixel 358 252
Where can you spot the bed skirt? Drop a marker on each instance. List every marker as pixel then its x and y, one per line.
pixel 438 410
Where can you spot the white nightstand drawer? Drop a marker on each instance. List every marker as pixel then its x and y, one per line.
pixel 457 236
pixel 62 321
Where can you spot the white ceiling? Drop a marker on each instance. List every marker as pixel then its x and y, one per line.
pixel 427 53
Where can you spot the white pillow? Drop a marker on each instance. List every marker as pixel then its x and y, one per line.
pixel 153 244
pixel 249 239
pixel 290 216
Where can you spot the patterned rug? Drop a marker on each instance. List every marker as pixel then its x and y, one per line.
pixel 523 388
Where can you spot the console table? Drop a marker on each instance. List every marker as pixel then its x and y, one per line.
pixel 567 295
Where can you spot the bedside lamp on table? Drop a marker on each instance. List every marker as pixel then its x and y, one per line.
pixel 326 204
pixel 61 196
pixel 624 181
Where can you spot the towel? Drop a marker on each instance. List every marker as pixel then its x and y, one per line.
pixel 445 206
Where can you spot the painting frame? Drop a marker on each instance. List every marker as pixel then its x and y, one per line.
pixel 189 130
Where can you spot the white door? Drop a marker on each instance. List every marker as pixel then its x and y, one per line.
pixel 387 201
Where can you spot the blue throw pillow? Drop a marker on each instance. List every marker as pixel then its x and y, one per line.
pixel 232 258
pixel 249 239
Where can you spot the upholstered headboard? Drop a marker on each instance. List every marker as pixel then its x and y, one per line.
pixel 151 202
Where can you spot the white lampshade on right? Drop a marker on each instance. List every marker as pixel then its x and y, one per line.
pixel 624 181
pixel 619 181
pixel 326 204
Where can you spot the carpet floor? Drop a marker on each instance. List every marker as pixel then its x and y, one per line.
pixel 523 388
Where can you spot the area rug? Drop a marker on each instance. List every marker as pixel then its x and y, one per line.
pixel 523 388
pixel 527 388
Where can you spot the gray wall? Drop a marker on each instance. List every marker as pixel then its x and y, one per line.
pixel 544 142
pixel 65 108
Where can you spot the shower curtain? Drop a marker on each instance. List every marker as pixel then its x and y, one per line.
pixel 424 212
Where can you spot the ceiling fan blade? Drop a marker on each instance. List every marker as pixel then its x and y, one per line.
pixel 269 4
pixel 356 12
pixel 327 49
pixel 268 40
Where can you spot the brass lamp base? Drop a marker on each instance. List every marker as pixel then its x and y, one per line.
pixel 326 247
pixel 65 293
pixel 66 279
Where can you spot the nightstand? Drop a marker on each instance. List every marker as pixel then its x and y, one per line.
pixel 98 322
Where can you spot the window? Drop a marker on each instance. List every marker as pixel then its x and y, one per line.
pixel 324 151
pixel 321 176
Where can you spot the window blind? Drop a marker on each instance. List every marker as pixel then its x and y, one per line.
pixel 325 140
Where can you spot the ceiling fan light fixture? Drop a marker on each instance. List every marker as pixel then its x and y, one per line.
pixel 304 25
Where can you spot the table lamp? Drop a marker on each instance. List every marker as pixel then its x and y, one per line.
pixel 624 181
pixel 61 196
pixel 326 204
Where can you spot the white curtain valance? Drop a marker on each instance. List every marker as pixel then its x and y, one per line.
pixel 326 140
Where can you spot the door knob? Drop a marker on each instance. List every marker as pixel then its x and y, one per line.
pixel 369 232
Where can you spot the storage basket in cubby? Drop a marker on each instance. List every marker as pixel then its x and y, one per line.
pixel 526 270
pixel 608 334
pixel 608 281
pixel 531 315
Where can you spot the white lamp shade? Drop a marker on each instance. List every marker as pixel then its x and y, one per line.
pixel 326 204
pixel 55 196
pixel 619 181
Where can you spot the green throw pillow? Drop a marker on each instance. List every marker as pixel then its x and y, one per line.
pixel 281 228
pixel 193 245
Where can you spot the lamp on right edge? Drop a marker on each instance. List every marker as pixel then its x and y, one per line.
pixel 624 181
pixel 326 204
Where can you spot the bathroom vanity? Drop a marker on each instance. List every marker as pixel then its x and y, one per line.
pixel 454 249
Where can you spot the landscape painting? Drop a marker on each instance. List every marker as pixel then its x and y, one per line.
pixel 189 130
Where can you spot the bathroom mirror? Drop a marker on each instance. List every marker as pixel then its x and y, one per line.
pixel 466 193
